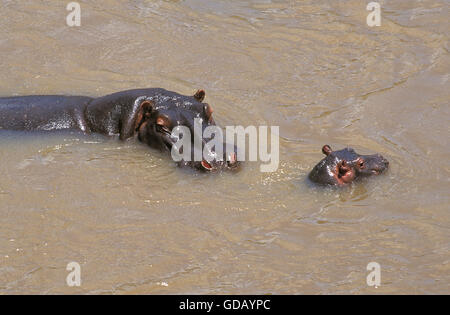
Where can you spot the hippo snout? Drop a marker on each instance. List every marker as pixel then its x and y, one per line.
pixel 373 164
pixel 228 161
pixel 211 161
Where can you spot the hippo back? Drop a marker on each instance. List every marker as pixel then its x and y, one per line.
pixel 50 112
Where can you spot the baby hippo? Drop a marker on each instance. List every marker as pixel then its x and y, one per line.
pixel 342 167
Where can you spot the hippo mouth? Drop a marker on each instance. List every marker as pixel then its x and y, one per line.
pixel 209 163
pixel 207 166
pixel 375 170
pixel 378 171
pixel 230 163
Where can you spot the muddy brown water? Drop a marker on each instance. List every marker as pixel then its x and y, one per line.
pixel 137 224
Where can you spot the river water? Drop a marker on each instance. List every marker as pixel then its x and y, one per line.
pixel 137 224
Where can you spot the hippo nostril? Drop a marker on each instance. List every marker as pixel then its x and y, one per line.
pixel 232 160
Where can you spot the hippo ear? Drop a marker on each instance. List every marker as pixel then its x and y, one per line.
pixel 143 113
pixel 200 95
pixel 132 121
pixel 208 112
pixel 326 149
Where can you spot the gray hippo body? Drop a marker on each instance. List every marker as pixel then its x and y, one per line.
pixel 150 114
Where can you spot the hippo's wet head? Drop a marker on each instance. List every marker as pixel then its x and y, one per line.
pixel 344 166
pixel 160 114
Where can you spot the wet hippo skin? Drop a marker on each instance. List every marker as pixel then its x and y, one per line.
pixel 340 168
pixel 149 114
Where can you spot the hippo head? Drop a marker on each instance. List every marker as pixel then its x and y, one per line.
pixel 344 166
pixel 160 114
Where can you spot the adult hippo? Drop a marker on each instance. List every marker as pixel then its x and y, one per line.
pixel 149 114
pixel 340 168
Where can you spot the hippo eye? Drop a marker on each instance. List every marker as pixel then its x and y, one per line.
pixel 162 124
pixel 161 128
